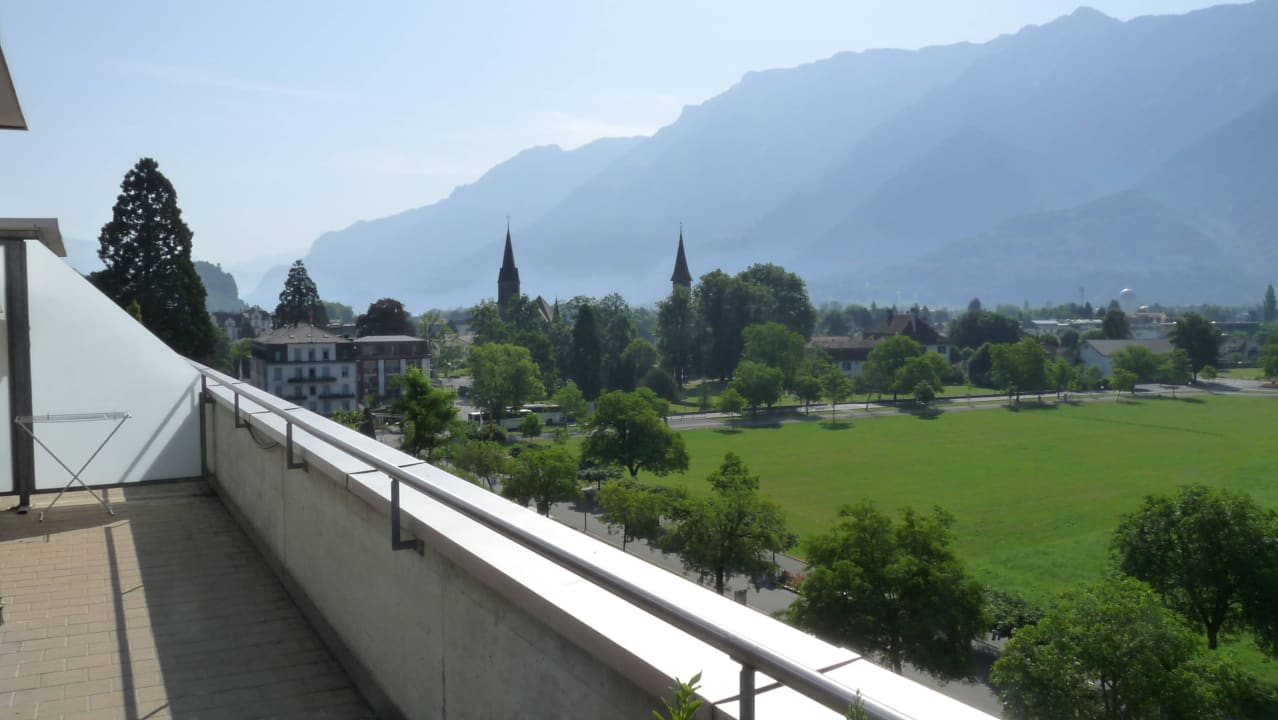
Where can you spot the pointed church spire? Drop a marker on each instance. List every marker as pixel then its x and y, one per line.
pixel 508 276
pixel 681 277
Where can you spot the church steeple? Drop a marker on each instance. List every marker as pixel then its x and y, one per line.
pixel 508 277
pixel 681 277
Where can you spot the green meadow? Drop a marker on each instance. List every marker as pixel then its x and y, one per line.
pixel 1035 492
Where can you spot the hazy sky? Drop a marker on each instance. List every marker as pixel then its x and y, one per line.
pixel 277 121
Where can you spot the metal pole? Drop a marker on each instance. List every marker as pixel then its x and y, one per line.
pixel 17 311
pixel 747 693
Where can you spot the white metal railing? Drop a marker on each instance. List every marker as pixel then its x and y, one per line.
pixel 751 655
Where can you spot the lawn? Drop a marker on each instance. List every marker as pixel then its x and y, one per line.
pixel 1036 492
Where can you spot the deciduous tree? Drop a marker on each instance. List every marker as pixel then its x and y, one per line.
pixel 503 376
pixel 633 507
pixel 485 459
pixel 146 256
pixel 1111 651
pixel 1020 366
pixel 759 384
pixel 544 476
pixel 385 317
pixel 774 345
pixel 888 357
pixel 677 334
pixel 572 402
pixel 894 590
pixel 586 367
pixel 1199 339
pixel 977 327
pixel 627 431
pixel 732 531
pixel 426 412
pixel 1115 324
pixel 1211 554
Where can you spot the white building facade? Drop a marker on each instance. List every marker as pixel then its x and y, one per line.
pixel 308 366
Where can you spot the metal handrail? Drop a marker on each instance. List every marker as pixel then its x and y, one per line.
pixel 751 655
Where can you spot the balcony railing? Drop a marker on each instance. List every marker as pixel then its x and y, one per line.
pixel 748 651
pixel 317 379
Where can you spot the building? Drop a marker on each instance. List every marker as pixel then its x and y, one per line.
pixel 508 276
pixel 307 366
pixel 382 358
pixel 681 277
pixel 914 327
pixel 847 353
pixel 1097 353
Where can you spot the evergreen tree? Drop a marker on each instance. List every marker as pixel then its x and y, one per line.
pixel 300 300
pixel 146 253
pixel 586 367
pixel 385 317
pixel 1270 311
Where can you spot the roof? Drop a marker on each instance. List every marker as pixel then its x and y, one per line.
pixel 388 338
pixel 10 111
pixel 911 326
pixel 43 229
pixel 842 347
pixel 681 275
pixel 297 334
pixel 509 273
pixel 1108 347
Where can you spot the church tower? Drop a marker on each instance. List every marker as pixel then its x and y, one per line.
pixel 681 277
pixel 508 277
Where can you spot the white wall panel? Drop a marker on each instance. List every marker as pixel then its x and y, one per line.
pixel 88 355
pixel 6 459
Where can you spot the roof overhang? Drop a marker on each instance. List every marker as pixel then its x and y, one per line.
pixel 43 229
pixel 10 111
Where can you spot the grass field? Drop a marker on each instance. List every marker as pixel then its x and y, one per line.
pixel 1035 492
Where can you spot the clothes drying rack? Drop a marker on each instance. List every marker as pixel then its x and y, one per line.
pixel 29 422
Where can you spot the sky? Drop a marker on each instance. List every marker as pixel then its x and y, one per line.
pixel 279 121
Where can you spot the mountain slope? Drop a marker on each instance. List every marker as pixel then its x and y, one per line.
pixel 425 256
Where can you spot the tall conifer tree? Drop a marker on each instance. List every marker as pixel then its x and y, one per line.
pixel 300 300
pixel 146 253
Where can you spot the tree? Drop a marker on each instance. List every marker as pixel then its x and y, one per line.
pixel 146 256
pixel 807 387
pixel 1200 340
pixel 633 507
pixel 724 306
pixel 426 412
pixel 1062 375
pixel 1110 650
pixel 1269 361
pixel 1269 311
pixel 1210 553
pixel 759 384
pixel 894 590
pixel 923 393
pixel 1175 369
pixel 385 317
pixel 732 531
pixel 636 360
pixel 774 345
pixel 503 376
pixel 1209 373
pixel 677 333
pixel 484 459
pixel 782 297
pixel 731 402
pixel 299 300
pixel 929 368
pixel 571 402
pixel 544 476
pixel 1123 380
pixel 1019 367
pixel 976 327
pixel 586 368
pixel 530 425
pixel 627 431
pixel 661 382
pixel 1115 324
pixel 835 387
pixel 1137 360
pixel 616 331
pixel 887 357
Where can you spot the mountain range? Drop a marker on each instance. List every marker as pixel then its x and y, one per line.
pixel 1084 153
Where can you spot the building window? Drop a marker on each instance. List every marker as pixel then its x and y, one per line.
pixel 310 354
pixel 325 353
pixel 346 388
pixel 312 391
pixel 279 373
pixel 297 372
pixel 346 371
pixel 276 355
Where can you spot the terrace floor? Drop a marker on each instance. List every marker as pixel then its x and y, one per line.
pixel 164 611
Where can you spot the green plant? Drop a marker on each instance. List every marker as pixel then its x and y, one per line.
pixel 686 703
pixel 856 711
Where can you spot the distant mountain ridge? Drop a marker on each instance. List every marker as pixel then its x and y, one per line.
pixel 934 175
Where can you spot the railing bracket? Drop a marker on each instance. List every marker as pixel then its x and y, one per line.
pixel 239 422
pixel 288 450
pixel 398 543
pixel 745 703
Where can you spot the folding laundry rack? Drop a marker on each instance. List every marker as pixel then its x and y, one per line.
pixel 28 423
